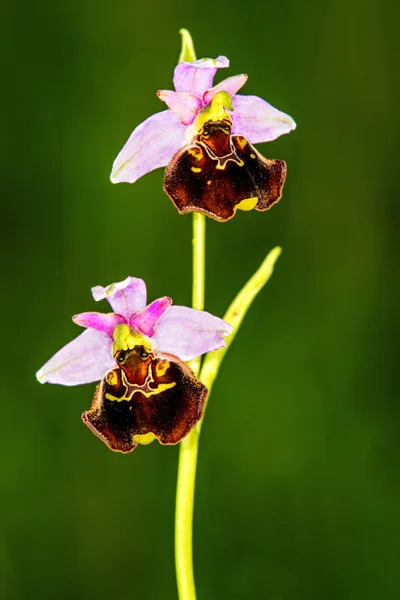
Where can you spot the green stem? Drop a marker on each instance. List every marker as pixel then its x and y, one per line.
pixel 189 446
pixel 212 362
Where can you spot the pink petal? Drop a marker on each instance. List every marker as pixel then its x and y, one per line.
pixel 258 121
pixel 146 320
pixel 187 106
pixel 196 77
pixel 102 322
pixel 126 297
pixel 151 145
pixel 188 333
pixel 230 85
pixel 87 358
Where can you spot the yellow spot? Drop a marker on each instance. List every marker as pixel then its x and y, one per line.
pixel 126 339
pixel 196 152
pixel 162 367
pixel 221 165
pixel 241 142
pixel 215 111
pixel 252 155
pixel 144 438
pixel 162 387
pixel 112 378
pixel 146 392
pixel 196 169
pixel 247 204
pixel 115 399
pixel 209 182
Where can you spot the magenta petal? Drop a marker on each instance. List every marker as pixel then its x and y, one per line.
pixel 102 322
pixel 231 85
pixel 146 320
pixel 87 358
pixel 187 106
pixel 198 76
pixel 258 121
pixel 151 145
pixel 188 333
pixel 126 297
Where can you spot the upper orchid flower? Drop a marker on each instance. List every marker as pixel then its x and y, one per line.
pixel 146 391
pixel 204 140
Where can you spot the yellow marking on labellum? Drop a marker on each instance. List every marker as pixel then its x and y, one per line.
pixel 247 204
pixel 144 438
pixel 222 164
pixel 215 110
pixel 126 338
pixel 112 378
pixel 196 169
pixel 162 387
pixel 209 182
pixel 222 161
pixel 162 367
pixel 196 152
pixel 241 142
pixel 115 399
pixel 252 155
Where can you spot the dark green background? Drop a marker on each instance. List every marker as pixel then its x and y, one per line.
pixel 298 489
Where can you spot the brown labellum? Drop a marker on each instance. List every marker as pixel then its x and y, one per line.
pixel 220 173
pixel 149 393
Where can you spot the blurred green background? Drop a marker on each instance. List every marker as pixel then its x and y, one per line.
pixel 298 488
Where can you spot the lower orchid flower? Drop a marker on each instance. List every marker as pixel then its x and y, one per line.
pixel 205 141
pixel 146 391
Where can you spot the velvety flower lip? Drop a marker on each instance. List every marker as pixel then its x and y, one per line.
pixel 150 396
pixel 154 142
pixel 177 330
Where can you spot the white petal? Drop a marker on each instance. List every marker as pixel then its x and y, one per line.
pixel 187 333
pixel 151 145
pixel 84 360
pixel 258 121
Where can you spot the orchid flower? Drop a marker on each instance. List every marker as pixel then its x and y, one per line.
pixel 204 139
pixel 137 353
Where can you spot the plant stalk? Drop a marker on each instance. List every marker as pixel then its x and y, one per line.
pixel 188 449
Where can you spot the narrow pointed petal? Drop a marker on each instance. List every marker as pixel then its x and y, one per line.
pixel 102 322
pixel 151 145
pixel 258 121
pixel 146 320
pixel 187 106
pixel 188 333
pixel 83 360
pixel 198 76
pixel 126 297
pixel 231 85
